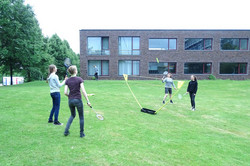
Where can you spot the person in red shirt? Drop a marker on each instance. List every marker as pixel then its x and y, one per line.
pixel 73 88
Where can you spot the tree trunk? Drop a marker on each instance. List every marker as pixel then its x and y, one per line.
pixel 29 76
pixel 11 75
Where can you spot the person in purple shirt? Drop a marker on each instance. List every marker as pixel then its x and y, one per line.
pixel 73 88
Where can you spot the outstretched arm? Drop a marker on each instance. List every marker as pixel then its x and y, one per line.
pixel 85 94
pixel 58 82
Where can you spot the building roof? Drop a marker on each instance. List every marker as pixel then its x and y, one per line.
pixel 165 30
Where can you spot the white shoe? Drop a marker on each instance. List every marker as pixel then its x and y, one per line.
pixel 193 109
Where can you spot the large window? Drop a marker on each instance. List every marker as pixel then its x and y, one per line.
pixel 234 44
pixel 98 46
pixel 159 68
pixel 233 68
pixel 129 45
pixel 103 67
pixel 162 44
pixel 198 44
pixel 197 68
pixel 129 67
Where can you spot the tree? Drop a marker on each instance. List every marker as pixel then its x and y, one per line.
pixel 60 50
pixel 16 20
pixel 23 48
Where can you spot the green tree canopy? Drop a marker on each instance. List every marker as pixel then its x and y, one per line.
pixel 23 48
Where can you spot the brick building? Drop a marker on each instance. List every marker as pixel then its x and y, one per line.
pixel 223 53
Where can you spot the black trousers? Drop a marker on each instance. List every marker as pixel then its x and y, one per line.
pixel 192 98
pixel 96 76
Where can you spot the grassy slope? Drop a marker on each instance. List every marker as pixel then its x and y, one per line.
pixel 217 134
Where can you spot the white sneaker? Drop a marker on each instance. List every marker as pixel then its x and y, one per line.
pixel 193 109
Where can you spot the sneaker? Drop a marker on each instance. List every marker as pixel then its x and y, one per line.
pixel 66 133
pixel 50 121
pixel 58 123
pixel 163 102
pixel 171 102
pixel 193 109
pixel 82 135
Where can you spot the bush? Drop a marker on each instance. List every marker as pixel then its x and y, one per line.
pixel 93 78
pixel 211 77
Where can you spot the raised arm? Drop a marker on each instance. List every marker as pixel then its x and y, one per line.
pixel 58 82
pixel 85 94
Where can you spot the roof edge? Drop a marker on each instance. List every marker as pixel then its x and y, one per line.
pixel 164 29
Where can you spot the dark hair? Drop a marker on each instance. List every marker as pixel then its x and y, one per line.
pixel 195 78
pixel 50 70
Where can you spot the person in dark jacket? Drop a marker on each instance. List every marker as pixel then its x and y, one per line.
pixel 192 90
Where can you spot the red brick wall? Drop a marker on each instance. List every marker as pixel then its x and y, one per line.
pixel 216 55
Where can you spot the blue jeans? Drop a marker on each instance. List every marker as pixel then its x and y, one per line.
pixel 56 97
pixel 73 104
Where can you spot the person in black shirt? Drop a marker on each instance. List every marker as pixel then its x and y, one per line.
pixel 192 90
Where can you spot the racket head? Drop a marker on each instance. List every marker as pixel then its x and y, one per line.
pixel 67 62
pixel 165 73
pixel 100 117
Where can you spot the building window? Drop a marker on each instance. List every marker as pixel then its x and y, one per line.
pixel 98 46
pixel 160 68
pixel 102 65
pixel 234 44
pixel 197 68
pixel 198 44
pixel 233 68
pixel 129 67
pixel 162 44
pixel 129 45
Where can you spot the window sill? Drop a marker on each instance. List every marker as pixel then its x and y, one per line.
pixel 233 50
pixel 199 74
pixel 199 50
pixel 98 55
pixel 233 74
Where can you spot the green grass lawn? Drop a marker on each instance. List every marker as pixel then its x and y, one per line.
pixel 218 133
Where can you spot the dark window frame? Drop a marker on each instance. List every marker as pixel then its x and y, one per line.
pixel 168 67
pixel 132 48
pixel 204 39
pixel 101 67
pixel 101 46
pixel 203 72
pixel 168 44
pixel 132 66
pixel 239 63
pixel 239 44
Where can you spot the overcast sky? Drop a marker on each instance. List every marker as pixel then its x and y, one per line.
pixel 67 17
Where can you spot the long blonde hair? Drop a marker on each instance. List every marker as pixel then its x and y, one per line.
pixel 50 70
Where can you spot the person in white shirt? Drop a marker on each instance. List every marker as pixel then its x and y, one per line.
pixel 54 85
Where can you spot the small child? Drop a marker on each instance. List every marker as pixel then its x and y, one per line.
pixel 75 85
pixel 192 89
pixel 54 85
pixel 169 83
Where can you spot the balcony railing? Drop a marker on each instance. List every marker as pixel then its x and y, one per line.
pixel 98 52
